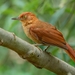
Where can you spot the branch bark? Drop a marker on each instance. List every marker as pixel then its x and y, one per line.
pixel 35 56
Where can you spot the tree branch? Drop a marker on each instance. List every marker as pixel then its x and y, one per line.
pixel 35 56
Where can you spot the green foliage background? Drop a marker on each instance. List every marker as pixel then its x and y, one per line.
pixel 60 13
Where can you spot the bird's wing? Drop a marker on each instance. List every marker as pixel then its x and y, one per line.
pixel 48 35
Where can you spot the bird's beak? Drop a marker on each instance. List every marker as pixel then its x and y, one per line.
pixel 16 18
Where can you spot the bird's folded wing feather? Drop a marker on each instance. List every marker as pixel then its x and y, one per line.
pixel 48 35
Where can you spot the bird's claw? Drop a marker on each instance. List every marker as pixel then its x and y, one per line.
pixel 37 45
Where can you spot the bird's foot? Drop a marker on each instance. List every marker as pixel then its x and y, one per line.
pixel 37 45
pixel 47 48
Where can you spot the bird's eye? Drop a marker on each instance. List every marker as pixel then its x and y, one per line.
pixel 25 17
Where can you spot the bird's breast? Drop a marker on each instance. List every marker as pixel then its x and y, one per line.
pixel 27 32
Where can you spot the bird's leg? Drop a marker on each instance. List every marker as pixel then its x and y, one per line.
pixel 47 48
pixel 40 45
pixel 37 45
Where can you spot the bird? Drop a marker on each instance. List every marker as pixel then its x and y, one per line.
pixel 43 33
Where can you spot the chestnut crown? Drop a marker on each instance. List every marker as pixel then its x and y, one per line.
pixel 25 16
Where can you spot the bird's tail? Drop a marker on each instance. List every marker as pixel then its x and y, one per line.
pixel 70 51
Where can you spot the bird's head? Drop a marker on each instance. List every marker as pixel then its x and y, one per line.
pixel 26 17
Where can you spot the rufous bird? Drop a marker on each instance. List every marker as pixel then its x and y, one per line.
pixel 43 32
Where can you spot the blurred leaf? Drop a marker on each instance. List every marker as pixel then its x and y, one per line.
pixel 57 15
pixel 3 8
pixel 3 55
